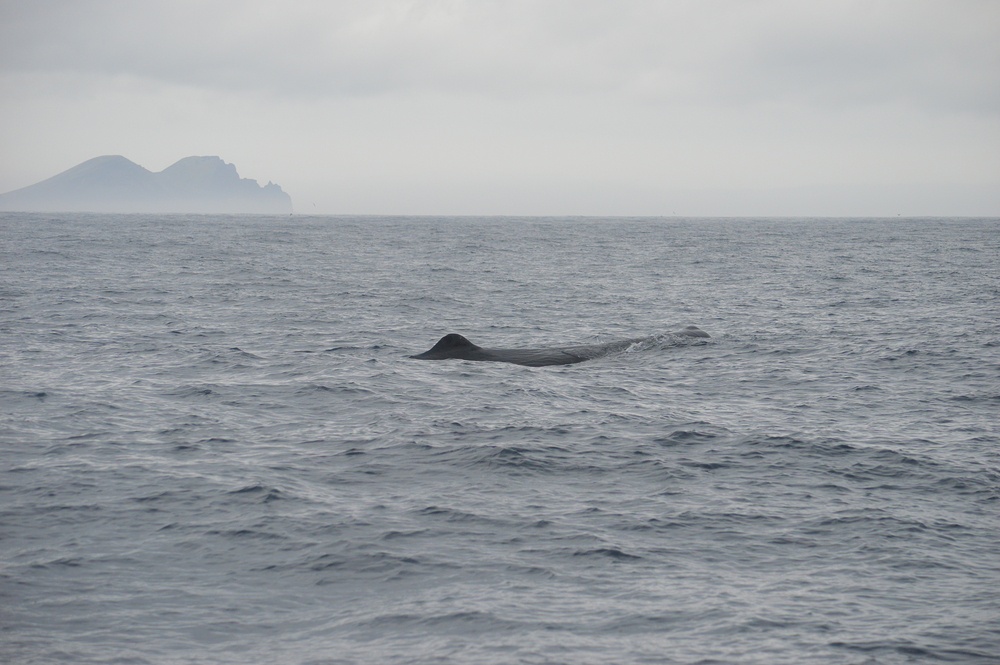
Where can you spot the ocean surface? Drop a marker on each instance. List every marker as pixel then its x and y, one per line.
pixel 215 448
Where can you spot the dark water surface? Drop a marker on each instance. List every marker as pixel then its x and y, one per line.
pixel 216 450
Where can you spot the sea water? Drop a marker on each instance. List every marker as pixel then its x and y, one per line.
pixel 215 448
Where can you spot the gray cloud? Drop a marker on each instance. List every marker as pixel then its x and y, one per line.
pixel 934 53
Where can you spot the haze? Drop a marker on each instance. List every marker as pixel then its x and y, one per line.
pixel 523 108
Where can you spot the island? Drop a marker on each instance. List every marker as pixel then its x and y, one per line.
pixel 113 183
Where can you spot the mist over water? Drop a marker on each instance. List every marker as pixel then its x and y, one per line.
pixel 216 449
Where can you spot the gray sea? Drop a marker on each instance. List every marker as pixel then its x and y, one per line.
pixel 216 449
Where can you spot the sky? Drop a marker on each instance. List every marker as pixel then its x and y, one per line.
pixel 533 107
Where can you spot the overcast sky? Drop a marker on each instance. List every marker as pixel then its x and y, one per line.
pixel 540 107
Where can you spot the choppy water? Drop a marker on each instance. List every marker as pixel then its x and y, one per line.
pixel 215 449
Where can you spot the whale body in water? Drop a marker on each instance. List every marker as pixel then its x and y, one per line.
pixel 456 346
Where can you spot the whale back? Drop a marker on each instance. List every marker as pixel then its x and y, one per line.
pixel 455 346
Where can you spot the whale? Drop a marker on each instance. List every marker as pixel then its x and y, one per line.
pixel 455 346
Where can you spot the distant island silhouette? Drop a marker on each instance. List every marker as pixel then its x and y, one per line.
pixel 114 184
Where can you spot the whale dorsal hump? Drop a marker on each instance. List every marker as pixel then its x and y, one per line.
pixel 694 331
pixel 452 342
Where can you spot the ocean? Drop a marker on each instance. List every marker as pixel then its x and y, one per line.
pixel 216 448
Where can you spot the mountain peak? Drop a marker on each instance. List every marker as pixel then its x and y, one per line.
pixel 112 183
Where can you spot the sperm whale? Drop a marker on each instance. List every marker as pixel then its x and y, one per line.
pixel 455 346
